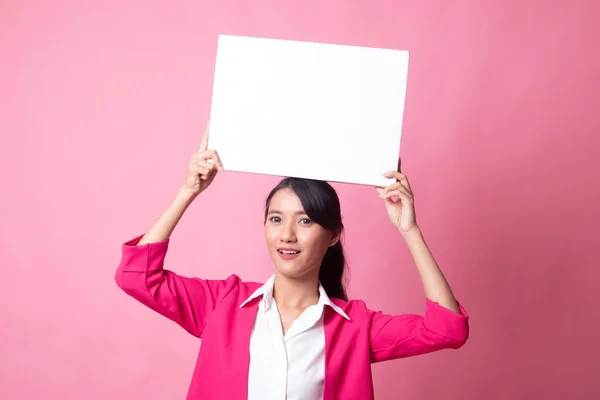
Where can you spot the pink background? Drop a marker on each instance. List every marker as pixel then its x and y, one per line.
pixel 101 107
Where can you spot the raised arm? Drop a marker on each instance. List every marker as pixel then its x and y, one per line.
pixel 201 172
pixel 402 215
pixel 445 324
pixel 141 273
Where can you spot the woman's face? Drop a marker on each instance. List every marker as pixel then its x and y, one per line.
pixel 296 244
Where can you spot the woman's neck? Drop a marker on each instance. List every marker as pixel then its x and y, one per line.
pixel 296 293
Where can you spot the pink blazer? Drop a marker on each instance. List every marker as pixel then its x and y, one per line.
pixel 210 310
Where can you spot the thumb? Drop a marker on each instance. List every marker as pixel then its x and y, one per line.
pixel 381 191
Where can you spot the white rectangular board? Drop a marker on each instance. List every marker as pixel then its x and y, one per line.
pixel 308 110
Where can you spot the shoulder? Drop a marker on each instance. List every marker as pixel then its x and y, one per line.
pixel 234 280
pixel 238 286
pixel 355 309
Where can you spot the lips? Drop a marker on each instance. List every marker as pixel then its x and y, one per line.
pixel 288 254
pixel 288 251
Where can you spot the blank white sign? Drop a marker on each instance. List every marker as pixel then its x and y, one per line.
pixel 308 110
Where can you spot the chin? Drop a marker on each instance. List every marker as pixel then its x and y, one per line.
pixel 292 270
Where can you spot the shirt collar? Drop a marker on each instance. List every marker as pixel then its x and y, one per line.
pixel 266 290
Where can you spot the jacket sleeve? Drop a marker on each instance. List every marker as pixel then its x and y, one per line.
pixel 187 301
pixel 408 335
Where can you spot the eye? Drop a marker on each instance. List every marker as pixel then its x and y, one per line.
pixel 275 219
pixel 305 221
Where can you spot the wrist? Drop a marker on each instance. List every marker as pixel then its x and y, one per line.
pixel 186 194
pixel 412 233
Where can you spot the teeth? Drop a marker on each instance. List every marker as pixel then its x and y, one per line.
pixel 288 252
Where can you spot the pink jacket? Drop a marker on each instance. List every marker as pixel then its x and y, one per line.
pixel 210 310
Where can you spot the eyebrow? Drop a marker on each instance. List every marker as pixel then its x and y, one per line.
pixel 301 212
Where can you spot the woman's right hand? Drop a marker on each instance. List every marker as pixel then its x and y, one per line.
pixel 203 167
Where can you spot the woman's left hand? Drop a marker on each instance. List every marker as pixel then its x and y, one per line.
pixel 402 210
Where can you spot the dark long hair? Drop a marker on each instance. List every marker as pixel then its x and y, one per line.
pixel 322 205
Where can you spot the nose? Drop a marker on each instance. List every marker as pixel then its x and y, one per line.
pixel 288 232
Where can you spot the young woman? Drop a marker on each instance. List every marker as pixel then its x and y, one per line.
pixel 296 336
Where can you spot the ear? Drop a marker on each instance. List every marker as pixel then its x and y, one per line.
pixel 335 238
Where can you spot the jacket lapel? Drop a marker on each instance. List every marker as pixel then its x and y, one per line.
pixel 333 323
pixel 244 326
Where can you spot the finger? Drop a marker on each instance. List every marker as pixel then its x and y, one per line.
pixel 204 143
pixel 383 196
pixel 205 164
pixel 400 177
pixel 393 186
pixel 201 172
pixel 404 182
pixel 380 190
pixel 217 160
pixel 400 192
pixel 211 156
pixel 395 198
pixel 399 189
pixel 394 174
pixel 203 155
pixel 401 182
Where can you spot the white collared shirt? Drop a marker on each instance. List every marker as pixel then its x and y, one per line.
pixel 290 366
